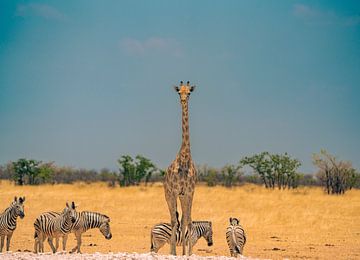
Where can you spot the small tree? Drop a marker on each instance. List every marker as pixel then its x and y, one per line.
pixel 46 172
pixel 133 171
pixel 274 169
pixel 230 174
pixel 26 168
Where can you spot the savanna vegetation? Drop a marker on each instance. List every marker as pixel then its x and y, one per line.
pixel 287 223
pixel 270 170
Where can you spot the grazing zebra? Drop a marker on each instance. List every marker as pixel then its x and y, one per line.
pixel 161 233
pixel 87 220
pixel 53 225
pixel 8 221
pixel 235 237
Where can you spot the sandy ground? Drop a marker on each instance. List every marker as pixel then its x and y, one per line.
pixel 303 223
pixel 120 256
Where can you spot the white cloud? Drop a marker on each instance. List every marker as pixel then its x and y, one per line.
pixel 40 10
pixel 312 15
pixel 137 47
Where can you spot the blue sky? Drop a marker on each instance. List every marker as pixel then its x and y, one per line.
pixel 83 82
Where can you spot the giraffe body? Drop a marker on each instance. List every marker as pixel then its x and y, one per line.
pixel 180 177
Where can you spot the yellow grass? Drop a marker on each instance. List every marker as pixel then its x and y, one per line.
pixel 302 223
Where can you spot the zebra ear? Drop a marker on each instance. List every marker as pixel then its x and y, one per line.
pixel 15 198
pixel 67 205
pixel 73 205
pixel 21 200
pixel 230 220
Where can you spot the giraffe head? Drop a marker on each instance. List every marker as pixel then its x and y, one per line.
pixel 184 91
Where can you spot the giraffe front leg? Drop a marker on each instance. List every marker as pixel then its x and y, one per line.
pixel 8 238
pixel 183 224
pixel 172 204
pixel 2 242
pixel 189 224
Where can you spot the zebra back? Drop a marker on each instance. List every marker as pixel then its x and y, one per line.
pixel 88 220
pixel 236 239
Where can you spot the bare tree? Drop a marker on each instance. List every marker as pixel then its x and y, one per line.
pixel 337 176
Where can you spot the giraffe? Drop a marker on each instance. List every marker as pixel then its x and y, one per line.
pixel 180 177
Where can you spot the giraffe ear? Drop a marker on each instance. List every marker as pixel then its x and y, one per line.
pixel 176 88
pixel 192 88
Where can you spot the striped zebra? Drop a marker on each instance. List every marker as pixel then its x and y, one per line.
pixel 8 220
pixel 235 237
pixel 53 225
pixel 161 233
pixel 84 221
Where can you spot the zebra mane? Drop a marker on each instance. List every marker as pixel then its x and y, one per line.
pixel 8 209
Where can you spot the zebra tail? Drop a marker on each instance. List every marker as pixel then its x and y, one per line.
pixel 237 248
pixel 152 241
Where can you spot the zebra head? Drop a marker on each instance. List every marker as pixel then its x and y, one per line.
pixel 105 228
pixel 18 206
pixel 70 212
pixel 208 234
pixel 234 221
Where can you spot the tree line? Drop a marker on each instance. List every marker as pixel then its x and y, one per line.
pixel 271 170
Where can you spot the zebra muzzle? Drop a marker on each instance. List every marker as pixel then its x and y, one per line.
pixel 109 236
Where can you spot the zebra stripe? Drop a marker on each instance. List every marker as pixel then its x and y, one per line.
pixel 53 225
pixel 8 221
pixel 235 237
pixel 84 221
pixel 161 233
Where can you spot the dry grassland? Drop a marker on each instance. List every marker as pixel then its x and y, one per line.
pixel 302 223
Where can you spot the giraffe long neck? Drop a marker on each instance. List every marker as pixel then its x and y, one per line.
pixel 185 144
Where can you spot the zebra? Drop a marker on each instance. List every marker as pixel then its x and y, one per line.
pixel 161 233
pixel 8 221
pixel 235 237
pixel 53 225
pixel 84 221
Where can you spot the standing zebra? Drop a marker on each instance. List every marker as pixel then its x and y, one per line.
pixel 53 225
pixel 84 221
pixel 161 234
pixel 235 237
pixel 8 221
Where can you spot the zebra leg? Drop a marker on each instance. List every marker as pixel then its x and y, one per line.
pixel 42 244
pixel 77 236
pixel 78 240
pixel 64 240
pixel 57 243
pixel 2 243
pixel 8 238
pixel 50 241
